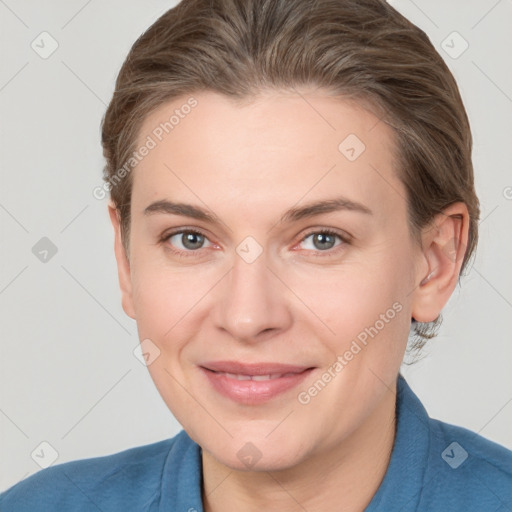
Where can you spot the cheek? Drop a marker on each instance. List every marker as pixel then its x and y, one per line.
pixel 347 298
pixel 163 298
pixel 359 307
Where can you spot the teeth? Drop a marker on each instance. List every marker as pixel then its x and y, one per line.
pixel 237 376
pixel 262 377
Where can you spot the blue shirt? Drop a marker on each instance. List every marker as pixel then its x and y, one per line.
pixel 434 466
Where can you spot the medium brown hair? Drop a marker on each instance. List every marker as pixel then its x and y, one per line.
pixel 362 49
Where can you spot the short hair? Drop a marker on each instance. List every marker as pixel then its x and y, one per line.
pixel 364 50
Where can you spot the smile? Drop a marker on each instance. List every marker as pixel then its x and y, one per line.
pixel 254 383
pixel 272 376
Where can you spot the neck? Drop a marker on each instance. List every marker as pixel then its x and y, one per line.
pixel 344 477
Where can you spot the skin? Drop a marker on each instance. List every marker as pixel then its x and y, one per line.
pixel 299 302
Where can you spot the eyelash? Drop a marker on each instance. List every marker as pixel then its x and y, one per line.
pixel 345 239
pixel 178 252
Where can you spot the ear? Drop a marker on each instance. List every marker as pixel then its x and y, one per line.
pixel 444 244
pixel 123 265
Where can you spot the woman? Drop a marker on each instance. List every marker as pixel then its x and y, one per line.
pixel 291 192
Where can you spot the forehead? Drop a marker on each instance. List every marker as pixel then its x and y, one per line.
pixel 276 148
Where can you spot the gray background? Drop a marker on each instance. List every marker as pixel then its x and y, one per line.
pixel 68 375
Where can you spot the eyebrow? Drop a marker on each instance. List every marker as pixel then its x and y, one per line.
pixel 325 206
pixel 292 215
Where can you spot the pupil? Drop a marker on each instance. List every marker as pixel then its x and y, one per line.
pixel 323 241
pixel 192 240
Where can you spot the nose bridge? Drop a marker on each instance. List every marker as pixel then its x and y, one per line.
pixel 251 302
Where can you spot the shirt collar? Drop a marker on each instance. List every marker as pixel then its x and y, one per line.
pixel 400 489
pixel 182 476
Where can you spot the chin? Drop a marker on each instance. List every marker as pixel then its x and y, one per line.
pixel 258 452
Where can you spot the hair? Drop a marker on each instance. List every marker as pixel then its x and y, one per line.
pixel 359 49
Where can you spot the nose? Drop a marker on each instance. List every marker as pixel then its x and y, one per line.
pixel 252 303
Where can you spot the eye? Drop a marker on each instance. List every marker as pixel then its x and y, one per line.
pixel 187 240
pixel 323 240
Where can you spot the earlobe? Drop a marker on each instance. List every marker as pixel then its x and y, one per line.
pixel 444 247
pixel 123 264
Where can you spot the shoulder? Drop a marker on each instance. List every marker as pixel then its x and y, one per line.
pixel 466 471
pixel 128 480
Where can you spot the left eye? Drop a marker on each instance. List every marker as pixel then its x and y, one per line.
pixel 321 241
pixel 188 240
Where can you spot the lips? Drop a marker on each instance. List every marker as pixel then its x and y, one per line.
pixel 253 383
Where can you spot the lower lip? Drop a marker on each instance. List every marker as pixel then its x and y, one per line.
pixel 253 392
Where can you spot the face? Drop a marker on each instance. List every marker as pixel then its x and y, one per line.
pixel 271 270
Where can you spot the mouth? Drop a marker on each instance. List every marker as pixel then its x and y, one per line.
pixel 253 383
pixel 271 376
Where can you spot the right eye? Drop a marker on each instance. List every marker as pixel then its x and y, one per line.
pixel 186 241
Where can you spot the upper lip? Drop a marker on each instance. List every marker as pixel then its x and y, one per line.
pixel 238 368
